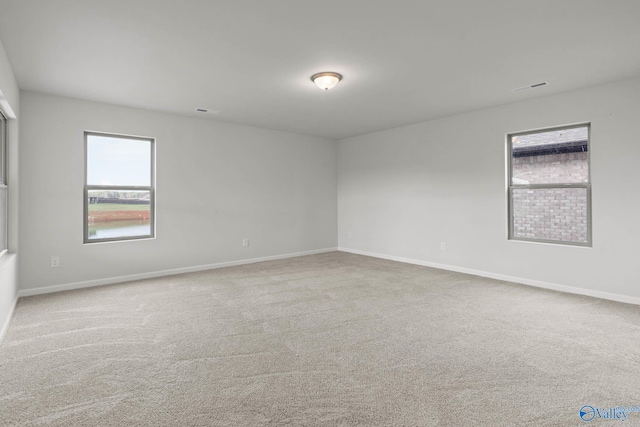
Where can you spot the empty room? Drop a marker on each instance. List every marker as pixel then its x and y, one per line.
pixel 291 213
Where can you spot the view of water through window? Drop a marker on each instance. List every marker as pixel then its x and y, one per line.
pixel 111 229
pixel 118 187
pixel 117 214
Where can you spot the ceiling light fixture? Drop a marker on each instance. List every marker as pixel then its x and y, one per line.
pixel 326 80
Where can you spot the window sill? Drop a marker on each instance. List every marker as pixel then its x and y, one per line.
pixel 6 257
pixel 98 242
pixel 550 243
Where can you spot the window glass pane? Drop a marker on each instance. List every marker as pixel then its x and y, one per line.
pixel 114 214
pixel 3 149
pixel 550 214
pixel 3 219
pixel 118 161
pixel 552 157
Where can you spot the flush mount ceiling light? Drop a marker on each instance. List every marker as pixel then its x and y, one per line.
pixel 326 80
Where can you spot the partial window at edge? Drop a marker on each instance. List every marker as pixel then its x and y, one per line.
pixel 4 189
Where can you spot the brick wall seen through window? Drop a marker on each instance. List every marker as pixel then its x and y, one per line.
pixel 549 186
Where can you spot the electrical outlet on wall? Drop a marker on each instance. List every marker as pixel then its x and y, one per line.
pixel 245 243
pixel 55 262
pixel 443 246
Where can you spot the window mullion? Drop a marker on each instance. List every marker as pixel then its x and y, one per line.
pixel 537 186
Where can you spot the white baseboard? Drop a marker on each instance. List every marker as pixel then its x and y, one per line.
pixel 5 325
pixel 150 275
pixel 538 284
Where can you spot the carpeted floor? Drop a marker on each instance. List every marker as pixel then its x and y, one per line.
pixel 322 340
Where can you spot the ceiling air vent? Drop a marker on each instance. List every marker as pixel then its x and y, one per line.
pixel 533 86
pixel 207 111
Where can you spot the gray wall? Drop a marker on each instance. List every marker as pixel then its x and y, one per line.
pixel 10 106
pixel 217 183
pixel 403 191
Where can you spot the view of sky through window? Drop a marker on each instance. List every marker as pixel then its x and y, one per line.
pixel 119 188
pixel 118 161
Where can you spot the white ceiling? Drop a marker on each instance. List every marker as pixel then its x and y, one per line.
pixel 403 61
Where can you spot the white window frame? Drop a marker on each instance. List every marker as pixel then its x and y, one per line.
pixel 150 188
pixel 511 186
pixel 3 181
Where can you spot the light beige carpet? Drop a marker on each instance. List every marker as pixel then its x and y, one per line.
pixel 322 340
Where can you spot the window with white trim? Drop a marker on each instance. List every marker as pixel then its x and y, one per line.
pixel 119 190
pixel 550 186
pixel 4 189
